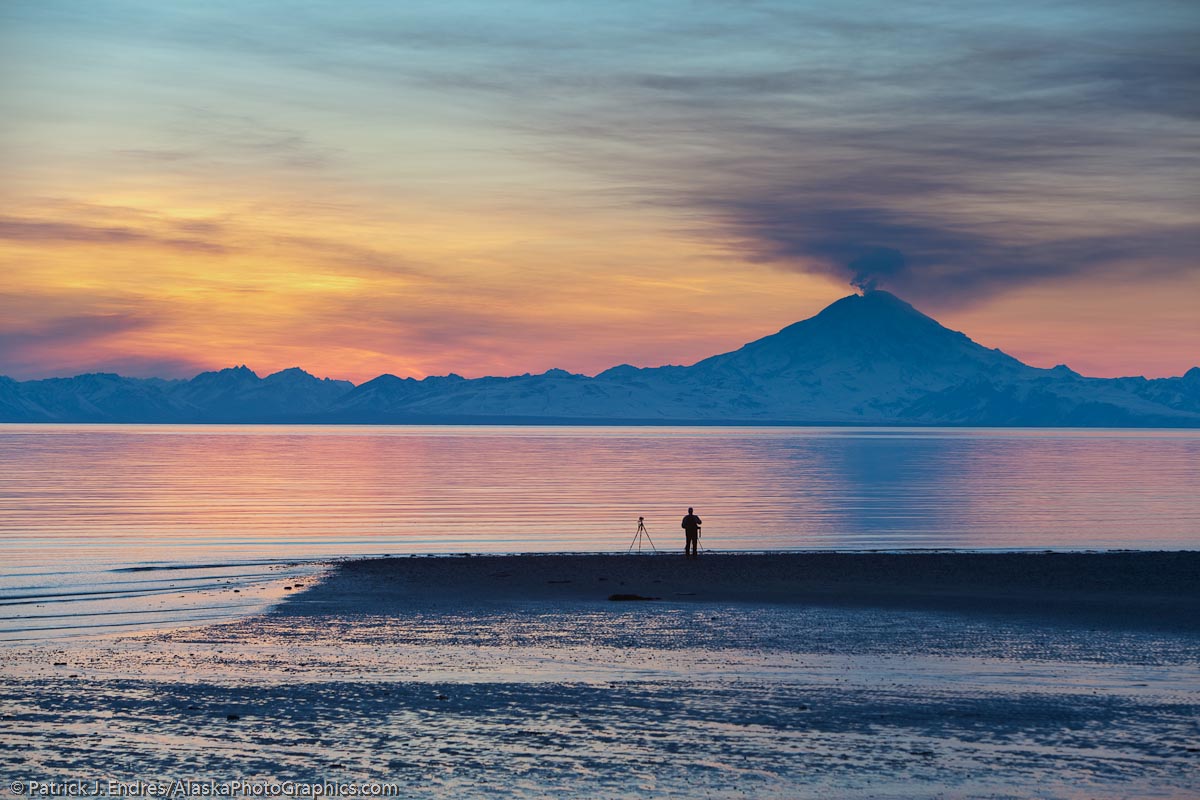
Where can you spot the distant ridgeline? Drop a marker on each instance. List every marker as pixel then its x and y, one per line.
pixel 870 359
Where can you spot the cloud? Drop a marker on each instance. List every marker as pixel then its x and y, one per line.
pixel 67 344
pixel 949 151
pixel 880 263
pixel 938 259
pixel 216 135
pixel 949 154
pixel 67 329
pixel 50 230
pixel 61 345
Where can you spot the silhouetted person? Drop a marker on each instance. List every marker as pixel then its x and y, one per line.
pixel 691 531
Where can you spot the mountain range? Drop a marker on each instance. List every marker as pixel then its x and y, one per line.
pixel 866 359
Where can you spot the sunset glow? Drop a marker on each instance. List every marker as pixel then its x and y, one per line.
pixel 363 188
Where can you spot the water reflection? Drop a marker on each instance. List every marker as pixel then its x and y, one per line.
pixel 131 494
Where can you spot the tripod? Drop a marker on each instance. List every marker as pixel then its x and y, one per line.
pixel 637 537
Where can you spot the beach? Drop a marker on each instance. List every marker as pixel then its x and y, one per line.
pixel 1135 588
pixel 860 675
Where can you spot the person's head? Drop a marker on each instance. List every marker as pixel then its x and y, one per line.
pixel 689 509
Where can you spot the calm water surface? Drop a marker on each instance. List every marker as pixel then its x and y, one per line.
pixel 105 508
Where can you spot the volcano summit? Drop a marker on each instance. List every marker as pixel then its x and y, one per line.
pixel 868 359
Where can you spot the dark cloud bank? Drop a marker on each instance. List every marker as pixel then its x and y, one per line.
pixel 947 151
pixel 948 154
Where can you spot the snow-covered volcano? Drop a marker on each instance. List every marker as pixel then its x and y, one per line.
pixel 868 359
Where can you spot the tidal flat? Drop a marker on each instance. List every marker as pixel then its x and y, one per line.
pixel 860 675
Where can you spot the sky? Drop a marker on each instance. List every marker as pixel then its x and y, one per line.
pixel 496 188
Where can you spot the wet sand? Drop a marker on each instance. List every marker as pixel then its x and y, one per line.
pixel 1136 589
pixel 778 675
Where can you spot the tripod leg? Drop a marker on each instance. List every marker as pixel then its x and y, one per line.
pixel 637 539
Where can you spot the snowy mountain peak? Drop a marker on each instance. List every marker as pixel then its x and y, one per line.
pixel 861 334
pixel 871 303
pixel 291 373
pixel 229 375
pixel 876 313
pixel 865 359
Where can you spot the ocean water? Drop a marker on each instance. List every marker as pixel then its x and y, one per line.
pixel 116 527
